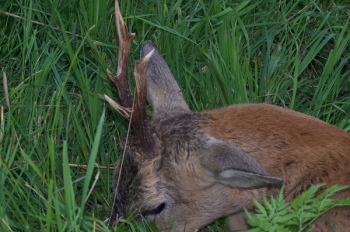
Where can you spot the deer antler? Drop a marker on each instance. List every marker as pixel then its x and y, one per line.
pixel 145 142
pixel 121 79
pixel 142 140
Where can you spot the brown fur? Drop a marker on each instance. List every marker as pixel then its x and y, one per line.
pixel 286 142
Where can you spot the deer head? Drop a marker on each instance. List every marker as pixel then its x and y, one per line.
pixel 171 168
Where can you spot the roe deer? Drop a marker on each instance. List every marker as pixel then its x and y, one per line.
pixel 198 167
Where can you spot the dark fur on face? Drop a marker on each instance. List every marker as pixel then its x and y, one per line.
pixel 126 171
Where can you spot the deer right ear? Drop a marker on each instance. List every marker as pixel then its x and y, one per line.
pixel 233 167
pixel 163 91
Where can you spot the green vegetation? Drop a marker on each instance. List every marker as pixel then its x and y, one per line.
pixel 58 137
pixel 298 215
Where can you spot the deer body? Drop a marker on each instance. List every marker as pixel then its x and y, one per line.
pixel 300 149
pixel 194 168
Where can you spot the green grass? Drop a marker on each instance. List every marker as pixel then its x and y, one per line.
pixel 58 137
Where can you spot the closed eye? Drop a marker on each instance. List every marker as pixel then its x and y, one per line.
pixel 154 211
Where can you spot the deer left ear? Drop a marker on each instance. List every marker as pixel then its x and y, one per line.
pixel 234 167
pixel 163 92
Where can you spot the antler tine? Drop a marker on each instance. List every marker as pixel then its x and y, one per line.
pixel 123 111
pixel 121 79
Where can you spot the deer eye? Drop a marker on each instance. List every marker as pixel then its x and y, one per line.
pixel 155 211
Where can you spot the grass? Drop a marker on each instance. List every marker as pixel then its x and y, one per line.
pixel 59 139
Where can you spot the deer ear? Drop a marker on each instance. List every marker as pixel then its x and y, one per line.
pixel 233 167
pixel 163 92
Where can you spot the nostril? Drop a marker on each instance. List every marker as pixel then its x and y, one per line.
pixel 155 211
